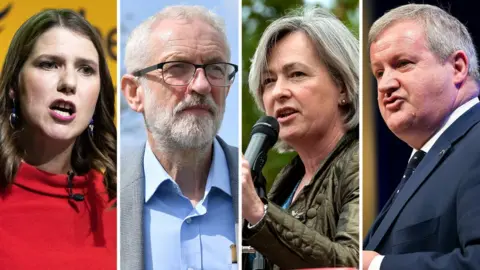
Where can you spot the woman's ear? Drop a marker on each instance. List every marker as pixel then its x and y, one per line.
pixel 11 94
pixel 342 98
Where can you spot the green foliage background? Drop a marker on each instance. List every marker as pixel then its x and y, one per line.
pixel 256 16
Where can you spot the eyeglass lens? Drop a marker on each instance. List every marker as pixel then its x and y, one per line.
pixel 181 73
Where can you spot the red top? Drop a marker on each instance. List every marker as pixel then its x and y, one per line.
pixel 41 228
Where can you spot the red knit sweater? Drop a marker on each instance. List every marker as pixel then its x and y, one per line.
pixel 41 228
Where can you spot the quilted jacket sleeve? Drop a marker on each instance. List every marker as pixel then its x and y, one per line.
pixel 289 243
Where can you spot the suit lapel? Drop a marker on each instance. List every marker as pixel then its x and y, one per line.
pixel 376 222
pixel 440 150
pixel 429 163
pixel 132 196
pixel 231 154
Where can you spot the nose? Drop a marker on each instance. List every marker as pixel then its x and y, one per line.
pixel 68 80
pixel 388 83
pixel 199 83
pixel 281 90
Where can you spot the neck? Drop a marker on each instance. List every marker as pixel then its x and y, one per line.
pixel 314 150
pixel 47 154
pixel 188 167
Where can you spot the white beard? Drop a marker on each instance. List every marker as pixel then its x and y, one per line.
pixel 174 130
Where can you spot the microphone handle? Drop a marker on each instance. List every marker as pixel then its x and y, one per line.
pixel 255 150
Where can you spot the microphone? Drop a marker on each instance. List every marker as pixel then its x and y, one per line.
pixel 76 197
pixel 263 136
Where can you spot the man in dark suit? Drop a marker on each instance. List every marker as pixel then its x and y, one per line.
pixel 426 69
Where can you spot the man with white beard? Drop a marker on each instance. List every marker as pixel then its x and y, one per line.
pixel 179 193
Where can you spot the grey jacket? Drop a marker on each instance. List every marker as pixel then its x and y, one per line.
pixel 132 197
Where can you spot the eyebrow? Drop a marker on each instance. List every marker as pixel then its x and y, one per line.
pixel 215 59
pixel 395 56
pixel 375 65
pixel 185 58
pixel 81 60
pixel 285 68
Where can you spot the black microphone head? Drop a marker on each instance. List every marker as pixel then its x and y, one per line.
pixel 267 125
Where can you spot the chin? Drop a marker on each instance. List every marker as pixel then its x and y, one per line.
pixel 289 137
pixel 399 125
pixel 62 135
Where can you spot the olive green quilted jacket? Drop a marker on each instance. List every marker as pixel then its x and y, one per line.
pixel 320 228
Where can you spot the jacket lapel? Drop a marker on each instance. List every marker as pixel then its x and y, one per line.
pixel 376 222
pixel 132 197
pixel 440 150
pixel 231 154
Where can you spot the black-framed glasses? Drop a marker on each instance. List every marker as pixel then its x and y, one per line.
pixel 180 73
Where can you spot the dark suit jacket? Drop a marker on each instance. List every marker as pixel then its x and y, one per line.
pixel 434 223
pixel 132 198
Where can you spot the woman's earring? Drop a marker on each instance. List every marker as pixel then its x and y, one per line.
pixel 343 102
pixel 90 128
pixel 13 117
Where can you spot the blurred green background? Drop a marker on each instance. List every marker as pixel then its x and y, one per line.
pixel 256 16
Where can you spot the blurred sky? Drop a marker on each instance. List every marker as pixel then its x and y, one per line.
pixel 132 13
pixel 325 3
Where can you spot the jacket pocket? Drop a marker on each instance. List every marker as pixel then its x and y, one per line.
pixel 416 236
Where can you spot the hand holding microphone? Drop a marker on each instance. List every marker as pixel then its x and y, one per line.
pixel 263 136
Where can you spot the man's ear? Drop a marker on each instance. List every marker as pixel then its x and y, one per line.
pixel 133 92
pixel 227 91
pixel 460 64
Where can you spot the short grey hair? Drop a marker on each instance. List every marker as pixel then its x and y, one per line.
pixel 444 33
pixel 335 44
pixel 138 49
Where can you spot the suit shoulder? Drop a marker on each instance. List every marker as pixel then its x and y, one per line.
pixel 233 150
pixel 131 165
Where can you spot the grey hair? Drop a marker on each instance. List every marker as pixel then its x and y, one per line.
pixel 138 49
pixel 335 44
pixel 444 33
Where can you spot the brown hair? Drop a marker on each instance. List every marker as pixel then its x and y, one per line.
pixel 97 152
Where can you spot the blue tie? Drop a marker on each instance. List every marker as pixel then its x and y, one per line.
pixel 411 166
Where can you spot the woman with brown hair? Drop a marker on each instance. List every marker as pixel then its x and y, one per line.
pixel 57 147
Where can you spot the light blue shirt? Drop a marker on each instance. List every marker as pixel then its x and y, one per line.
pixel 180 236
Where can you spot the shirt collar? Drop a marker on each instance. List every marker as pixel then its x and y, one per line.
pixel 155 174
pixel 218 176
pixel 452 118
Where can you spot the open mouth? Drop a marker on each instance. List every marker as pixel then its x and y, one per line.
pixel 63 108
pixel 285 112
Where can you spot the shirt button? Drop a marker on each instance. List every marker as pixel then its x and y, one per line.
pixel 189 220
pixel 398 190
